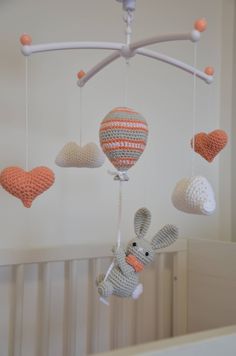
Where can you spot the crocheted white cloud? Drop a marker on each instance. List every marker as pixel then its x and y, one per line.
pixel 194 195
pixel 73 155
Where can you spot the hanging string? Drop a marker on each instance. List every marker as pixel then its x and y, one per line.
pixel 120 205
pixel 80 115
pixel 128 18
pixel 126 77
pixel 194 108
pixel 26 113
pixel 210 101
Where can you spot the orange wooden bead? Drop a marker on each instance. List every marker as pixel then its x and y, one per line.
pixel 200 25
pixel 209 70
pixel 81 74
pixel 25 40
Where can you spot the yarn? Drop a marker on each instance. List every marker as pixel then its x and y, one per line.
pixel 134 262
pixel 209 145
pixel 26 185
pixel 194 196
pixel 73 155
pixel 123 280
pixel 123 137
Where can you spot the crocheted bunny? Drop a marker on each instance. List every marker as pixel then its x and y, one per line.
pixel 123 280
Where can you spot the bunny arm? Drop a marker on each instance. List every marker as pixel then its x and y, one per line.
pixel 120 256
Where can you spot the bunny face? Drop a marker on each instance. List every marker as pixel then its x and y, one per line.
pixel 141 249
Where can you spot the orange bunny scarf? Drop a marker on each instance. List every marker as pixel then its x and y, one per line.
pixel 135 263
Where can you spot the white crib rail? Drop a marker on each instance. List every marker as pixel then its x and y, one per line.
pixel 49 303
pixel 216 342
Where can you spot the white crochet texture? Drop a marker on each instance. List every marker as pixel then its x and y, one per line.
pixel 73 155
pixel 194 195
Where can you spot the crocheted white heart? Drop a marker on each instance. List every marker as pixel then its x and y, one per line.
pixel 194 195
pixel 73 155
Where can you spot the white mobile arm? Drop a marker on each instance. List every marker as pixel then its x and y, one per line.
pixel 150 54
pixel 131 50
pixel 194 36
pixel 98 68
pixel 175 62
pixel 29 49
pixel 127 50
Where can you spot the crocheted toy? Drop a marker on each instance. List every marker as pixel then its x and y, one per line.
pixel 194 196
pixel 26 185
pixel 73 155
pixel 209 145
pixel 123 137
pixel 123 279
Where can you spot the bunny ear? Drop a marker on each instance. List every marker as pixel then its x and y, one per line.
pixel 165 237
pixel 142 221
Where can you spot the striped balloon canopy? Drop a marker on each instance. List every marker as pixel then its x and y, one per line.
pixel 123 137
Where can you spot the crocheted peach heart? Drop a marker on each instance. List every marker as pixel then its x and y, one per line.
pixel 209 145
pixel 73 155
pixel 26 185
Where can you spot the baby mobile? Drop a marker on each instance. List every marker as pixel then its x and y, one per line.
pixel 123 137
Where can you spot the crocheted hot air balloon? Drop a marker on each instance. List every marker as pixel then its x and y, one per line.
pixel 123 137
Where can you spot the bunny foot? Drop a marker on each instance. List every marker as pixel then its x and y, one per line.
pixel 138 291
pixel 105 289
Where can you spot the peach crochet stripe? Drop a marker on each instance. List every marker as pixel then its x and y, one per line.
pixel 124 109
pixel 126 122
pixel 106 127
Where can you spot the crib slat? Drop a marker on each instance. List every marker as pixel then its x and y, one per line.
pixel 44 309
pixel 161 296
pixel 129 322
pixel 140 332
pixel 82 308
pixel 6 310
pixel 99 314
pixel 118 334
pixel 146 307
pixel 164 270
pixel 180 293
pixel 18 309
pixel 104 312
pixel 123 323
pixel 92 318
pixel 70 315
pixel 30 310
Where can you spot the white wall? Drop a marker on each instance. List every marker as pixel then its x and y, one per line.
pixel 226 218
pixel 82 205
pixel 233 212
